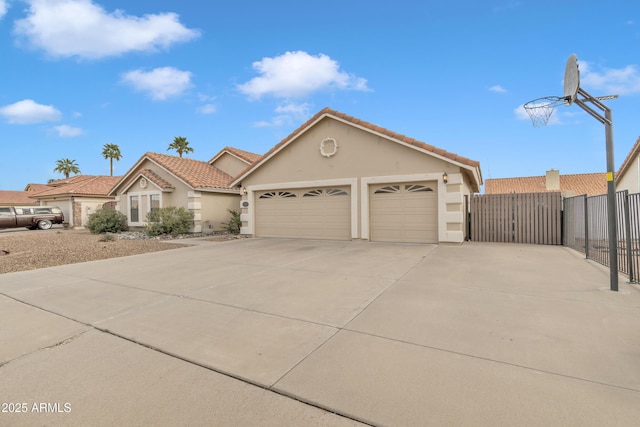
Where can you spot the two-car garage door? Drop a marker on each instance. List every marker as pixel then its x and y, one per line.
pixel 311 213
pixel 402 212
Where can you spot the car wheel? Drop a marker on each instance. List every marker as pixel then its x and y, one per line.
pixel 44 224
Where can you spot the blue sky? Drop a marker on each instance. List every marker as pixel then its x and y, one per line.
pixel 77 74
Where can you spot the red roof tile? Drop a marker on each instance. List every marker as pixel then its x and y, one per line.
pixel 591 184
pixel 9 197
pixel 80 185
pixel 196 173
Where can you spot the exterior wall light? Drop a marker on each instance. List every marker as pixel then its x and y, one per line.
pixel 445 177
pixel 244 190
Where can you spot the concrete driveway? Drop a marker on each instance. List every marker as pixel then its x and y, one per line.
pixel 298 332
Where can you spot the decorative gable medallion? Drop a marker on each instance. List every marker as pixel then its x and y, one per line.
pixel 328 147
pixel 143 183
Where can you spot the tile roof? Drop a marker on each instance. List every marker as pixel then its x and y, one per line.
pixel 9 197
pixel 633 153
pixel 81 185
pixel 247 156
pixel 156 179
pixel 196 173
pixel 36 187
pixel 591 184
pixel 370 127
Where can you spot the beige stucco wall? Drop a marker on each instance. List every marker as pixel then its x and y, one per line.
pixel 362 159
pixel 630 181
pixel 209 208
pixel 214 209
pixel 230 164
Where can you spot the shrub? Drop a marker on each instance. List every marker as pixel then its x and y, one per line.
pixel 234 223
pixel 107 221
pixel 170 220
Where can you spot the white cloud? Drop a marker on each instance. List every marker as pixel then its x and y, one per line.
pixel 67 28
pixel 3 8
pixel 159 83
pixel 497 89
pixel 287 114
pixel 28 111
pixel 611 81
pixel 207 109
pixel 297 74
pixel 65 131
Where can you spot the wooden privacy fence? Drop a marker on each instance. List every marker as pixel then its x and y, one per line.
pixel 517 218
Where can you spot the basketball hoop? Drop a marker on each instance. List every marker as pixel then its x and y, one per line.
pixel 541 109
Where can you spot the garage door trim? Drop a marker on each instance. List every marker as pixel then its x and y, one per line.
pixel 365 182
pixel 351 182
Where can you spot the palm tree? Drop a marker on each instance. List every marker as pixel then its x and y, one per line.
pixel 181 145
pixel 111 152
pixel 66 167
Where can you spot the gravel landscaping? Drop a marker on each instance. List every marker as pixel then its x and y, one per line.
pixel 33 249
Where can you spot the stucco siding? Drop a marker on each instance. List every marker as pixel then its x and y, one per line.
pixel 214 209
pixel 230 164
pixel 630 181
pixel 359 153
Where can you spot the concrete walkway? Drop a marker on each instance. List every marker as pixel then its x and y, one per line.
pixel 297 332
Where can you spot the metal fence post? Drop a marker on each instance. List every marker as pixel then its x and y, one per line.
pixel 627 230
pixel 586 227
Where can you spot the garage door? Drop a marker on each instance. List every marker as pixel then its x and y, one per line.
pixel 310 213
pixel 406 212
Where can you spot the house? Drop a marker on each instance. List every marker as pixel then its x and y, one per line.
pixel 339 177
pixel 78 196
pixel 591 184
pixel 628 176
pixel 159 180
pixel 16 198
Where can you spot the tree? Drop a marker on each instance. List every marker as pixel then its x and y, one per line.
pixel 111 152
pixel 181 145
pixel 66 167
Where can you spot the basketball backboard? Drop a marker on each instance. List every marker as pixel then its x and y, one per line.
pixel 571 80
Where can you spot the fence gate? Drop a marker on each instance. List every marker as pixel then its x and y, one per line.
pixel 517 218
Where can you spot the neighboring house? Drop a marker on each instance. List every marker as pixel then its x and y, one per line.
pixel 158 180
pixel 628 176
pixel 78 196
pixel 591 184
pixel 338 177
pixel 17 198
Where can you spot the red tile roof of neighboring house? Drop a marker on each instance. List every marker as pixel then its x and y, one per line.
pixel 247 156
pixel 80 185
pixel 36 187
pixel 9 197
pixel 591 184
pixel 373 128
pixel 196 173
pixel 633 153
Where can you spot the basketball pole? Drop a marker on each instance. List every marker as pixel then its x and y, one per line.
pixel 612 215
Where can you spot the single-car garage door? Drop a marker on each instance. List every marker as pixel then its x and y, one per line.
pixel 309 213
pixel 404 212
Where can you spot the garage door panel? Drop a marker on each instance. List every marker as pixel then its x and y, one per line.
pixel 312 213
pixel 404 212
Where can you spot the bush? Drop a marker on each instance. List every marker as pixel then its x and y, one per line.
pixel 107 221
pixel 170 220
pixel 234 224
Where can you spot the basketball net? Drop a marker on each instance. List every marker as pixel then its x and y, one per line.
pixel 540 110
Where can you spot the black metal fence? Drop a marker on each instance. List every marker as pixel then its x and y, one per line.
pixel 585 229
